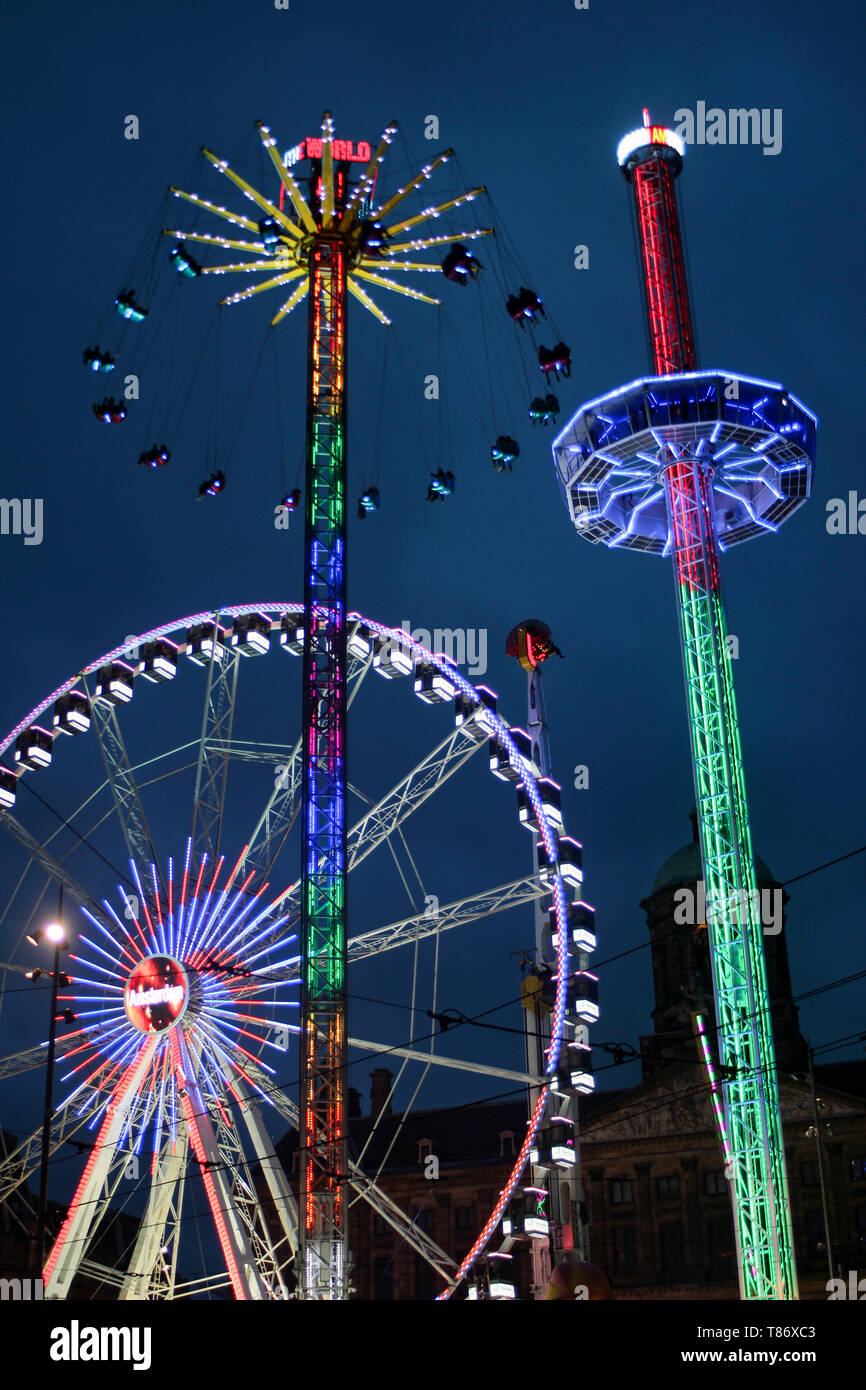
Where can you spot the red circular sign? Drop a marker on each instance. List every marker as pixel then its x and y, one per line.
pixel 156 994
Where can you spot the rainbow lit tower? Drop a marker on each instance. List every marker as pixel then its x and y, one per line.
pixel 323 243
pixel 687 463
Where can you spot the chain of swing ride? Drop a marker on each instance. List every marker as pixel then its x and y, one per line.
pixel 490 390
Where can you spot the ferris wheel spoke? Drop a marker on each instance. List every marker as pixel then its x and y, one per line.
pixel 393 809
pixel 366 1188
pixel 240 1263
pixel 52 866
pixel 413 1054
pixel 271 1260
pixel 121 780
pixel 70 1244
pixel 148 1273
pixel 214 749
pixel 73 1116
pixel 405 932
pixel 33 1057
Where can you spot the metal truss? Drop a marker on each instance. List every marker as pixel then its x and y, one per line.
pixel 121 780
pixel 213 757
pixel 60 874
pixel 760 1192
pixel 521 892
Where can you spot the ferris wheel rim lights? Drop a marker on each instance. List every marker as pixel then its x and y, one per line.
pixel 549 838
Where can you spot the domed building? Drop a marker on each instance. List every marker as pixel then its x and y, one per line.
pixel 682 979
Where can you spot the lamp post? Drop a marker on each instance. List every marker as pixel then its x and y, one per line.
pixel 55 932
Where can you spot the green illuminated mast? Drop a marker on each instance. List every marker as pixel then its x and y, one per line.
pixel 686 464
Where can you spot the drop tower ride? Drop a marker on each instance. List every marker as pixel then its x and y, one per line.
pixel 688 463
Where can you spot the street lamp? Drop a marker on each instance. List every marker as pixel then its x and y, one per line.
pixel 55 934
pixel 814 1132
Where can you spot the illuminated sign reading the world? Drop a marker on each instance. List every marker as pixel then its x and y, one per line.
pixel 311 148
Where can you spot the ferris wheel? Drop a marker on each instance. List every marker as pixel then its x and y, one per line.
pixel 183 980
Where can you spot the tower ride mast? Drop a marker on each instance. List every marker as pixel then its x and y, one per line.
pixel 760 1189
pixel 327 245
pixel 322 1135
pixel 688 463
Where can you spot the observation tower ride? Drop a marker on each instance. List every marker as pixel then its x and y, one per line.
pixel 687 463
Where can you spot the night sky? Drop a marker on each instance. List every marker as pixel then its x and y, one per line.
pixel 534 100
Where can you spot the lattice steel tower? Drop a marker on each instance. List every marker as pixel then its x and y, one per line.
pixel 687 463
pixel 325 243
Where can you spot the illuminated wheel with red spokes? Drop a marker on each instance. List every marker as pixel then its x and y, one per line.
pixel 184 976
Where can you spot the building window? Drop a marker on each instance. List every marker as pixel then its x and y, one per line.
pixel 380 1225
pixel 464 1217
pixel 620 1191
pixel 425 1149
pixel 667 1188
pixel 809 1174
pixel 624 1257
pixel 857 1168
pixel 506 1143
pixel 715 1183
pixel 671 1247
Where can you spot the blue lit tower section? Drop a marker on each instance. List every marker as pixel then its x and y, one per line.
pixel 686 464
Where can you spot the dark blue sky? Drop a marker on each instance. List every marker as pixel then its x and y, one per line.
pixel 534 101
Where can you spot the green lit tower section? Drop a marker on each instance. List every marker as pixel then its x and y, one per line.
pixel 688 463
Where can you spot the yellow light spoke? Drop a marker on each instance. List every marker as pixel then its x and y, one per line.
pixel 371 263
pixel 215 208
pixel 257 248
pixel 265 285
pixel 291 303
pixel 242 265
pixel 434 211
pixel 252 193
pixel 362 188
pixel 422 243
pixel 288 181
pixel 421 177
pixel 355 289
pixel 327 170
pixel 392 285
